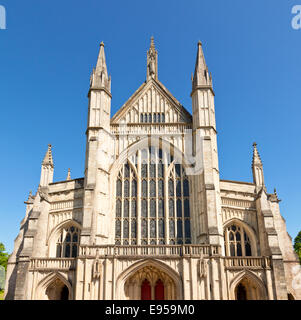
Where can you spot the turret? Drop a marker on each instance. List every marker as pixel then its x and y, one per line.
pixel 98 148
pixel 204 131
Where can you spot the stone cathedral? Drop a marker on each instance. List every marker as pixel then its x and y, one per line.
pixel 151 219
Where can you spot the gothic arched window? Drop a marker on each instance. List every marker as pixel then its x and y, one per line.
pixel 67 243
pixel 158 201
pixel 126 206
pixel 237 241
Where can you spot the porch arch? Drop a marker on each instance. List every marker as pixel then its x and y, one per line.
pixel 52 287
pixel 247 281
pixel 169 276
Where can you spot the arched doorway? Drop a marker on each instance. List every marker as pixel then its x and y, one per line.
pixel 159 290
pixel 150 283
pixel 64 295
pixel 57 290
pixel 248 290
pixel 241 292
pixel 146 290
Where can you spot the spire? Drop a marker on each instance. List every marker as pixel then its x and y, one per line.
pixel 101 66
pixel 257 168
pixel 48 160
pixel 68 175
pixel 201 74
pixel 99 77
pixel 152 62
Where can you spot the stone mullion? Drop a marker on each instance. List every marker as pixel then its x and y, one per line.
pixel 235 245
pixel 157 198
pixel 243 248
pixel 122 207
pixel 138 198
pixel 166 199
pixel 130 204
pixel 148 191
pixel 63 250
pixel 227 249
pixel 175 204
pixel 182 206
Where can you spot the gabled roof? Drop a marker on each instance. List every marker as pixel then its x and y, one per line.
pixel 162 90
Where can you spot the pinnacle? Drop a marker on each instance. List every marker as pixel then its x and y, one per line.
pixel 256 156
pixel 48 160
pixel 201 74
pixel 99 77
pixel 68 175
pixel 152 42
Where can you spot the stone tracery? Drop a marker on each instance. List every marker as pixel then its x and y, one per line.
pixel 152 206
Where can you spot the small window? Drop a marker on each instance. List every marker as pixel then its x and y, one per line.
pixel 237 242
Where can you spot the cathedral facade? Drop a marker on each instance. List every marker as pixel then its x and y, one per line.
pixel 151 219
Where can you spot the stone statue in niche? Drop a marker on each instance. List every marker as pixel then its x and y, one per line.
pixel 152 65
pixel 203 268
pixel 97 268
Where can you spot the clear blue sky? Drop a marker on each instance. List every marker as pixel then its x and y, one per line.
pixel 50 47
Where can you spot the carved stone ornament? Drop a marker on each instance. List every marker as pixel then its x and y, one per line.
pixel 203 268
pixel 43 195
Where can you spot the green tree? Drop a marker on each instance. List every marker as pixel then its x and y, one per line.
pixel 297 245
pixel 3 256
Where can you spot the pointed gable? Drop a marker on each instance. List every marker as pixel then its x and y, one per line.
pixel 150 103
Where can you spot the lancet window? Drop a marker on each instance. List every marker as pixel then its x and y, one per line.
pixel 237 241
pixel 152 117
pixel 126 206
pixel 67 243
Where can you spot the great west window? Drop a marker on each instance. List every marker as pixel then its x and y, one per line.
pixel 152 200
